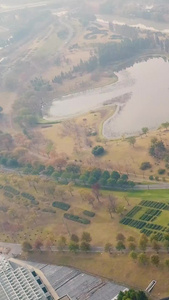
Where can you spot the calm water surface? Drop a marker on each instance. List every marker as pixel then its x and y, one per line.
pixel 148 83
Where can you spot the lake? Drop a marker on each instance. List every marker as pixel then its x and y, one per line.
pixel 146 82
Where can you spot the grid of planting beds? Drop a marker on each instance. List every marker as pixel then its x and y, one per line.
pixel 144 224
pixel 133 223
pixel 133 212
pixel 153 204
pixel 150 215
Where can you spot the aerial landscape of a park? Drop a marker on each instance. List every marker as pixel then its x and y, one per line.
pixel 84 141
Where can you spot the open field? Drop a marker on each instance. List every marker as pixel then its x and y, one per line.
pixel 119 268
pixel 44 221
pixel 120 155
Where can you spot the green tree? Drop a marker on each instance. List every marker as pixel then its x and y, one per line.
pixel 132 295
pixel 132 246
pixel 85 246
pixel 131 140
pixel 155 260
pixel 86 237
pixel 120 237
pixel 145 130
pixel 167 263
pixel 156 246
pixel 26 246
pixel 133 255
pixel 108 247
pixel 120 246
pixel 143 242
pixel 142 259
pixel 74 247
pixel 74 238
pixel 61 243
pixel 98 151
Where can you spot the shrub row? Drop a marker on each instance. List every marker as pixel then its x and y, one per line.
pixel 1 186
pixel 28 196
pixel 89 213
pixel 9 195
pixel 133 223
pixel 76 219
pixel 10 189
pixel 61 205
pixel 49 210
pixel 133 212
pixel 154 204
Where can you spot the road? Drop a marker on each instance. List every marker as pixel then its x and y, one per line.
pixel 10 250
pixel 8 8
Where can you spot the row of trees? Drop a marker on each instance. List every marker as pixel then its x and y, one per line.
pixel 143 243
pixel 65 173
pixel 74 244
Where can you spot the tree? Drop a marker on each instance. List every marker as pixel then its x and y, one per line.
pixel 96 191
pixel 165 125
pixel 111 205
pixel 108 247
pixel 26 246
pixel 120 237
pixel 155 260
pixel 38 244
pixel 143 242
pixel 115 175
pixel 120 246
pixel 132 246
pixel 166 245
pixel 61 243
pixel 131 239
pixel 142 259
pixel 145 166
pixel 167 263
pixel 133 255
pixel 73 246
pixel 132 295
pixel 98 151
pixel 85 246
pixel 74 238
pixel 153 237
pixel 156 246
pixel 145 130
pixel 132 140
pixel 86 237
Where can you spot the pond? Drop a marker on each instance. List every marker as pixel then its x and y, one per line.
pixel 141 95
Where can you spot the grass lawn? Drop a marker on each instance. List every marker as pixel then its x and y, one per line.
pixel 119 268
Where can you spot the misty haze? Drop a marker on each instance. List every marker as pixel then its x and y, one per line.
pixel 84 149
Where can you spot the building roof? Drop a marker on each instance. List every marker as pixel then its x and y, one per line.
pixel 78 285
pixel 19 283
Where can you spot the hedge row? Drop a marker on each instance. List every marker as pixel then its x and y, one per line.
pixel 10 189
pixel 49 210
pixel 9 195
pixel 76 219
pixel 28 196
pixel 154 204
pixel 61 205
pixel 133 223
pixel 133 212
pixel 89 213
